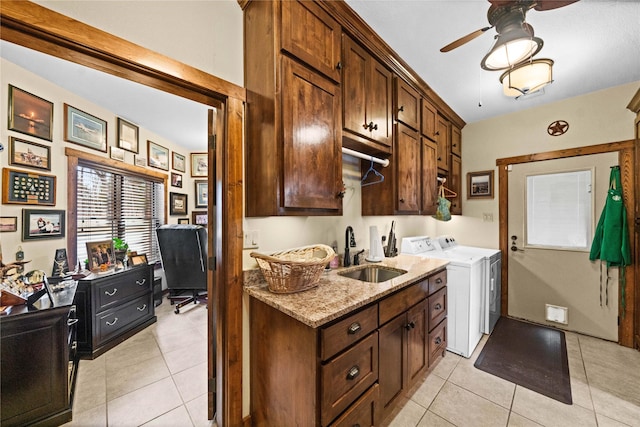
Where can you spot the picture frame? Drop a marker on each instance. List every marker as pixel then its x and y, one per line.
pixel 30 114
pixel 138 259
pixel 178 162
pixel 128 136
pixel 480 185
pixel 178 204
pixel 42 224
pixel 139 161
pixel 28 188
pixel 199 218
pixel 29 154
pixel 101 255
pixel 117 153
pixel 158 156
pixel 60 263
pixel 202 193
pixel 8 224
pixel 183 220
pixel 84 129
pixel 199 164
pixel 176 180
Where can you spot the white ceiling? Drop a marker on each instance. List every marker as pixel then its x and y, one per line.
pixel 595 45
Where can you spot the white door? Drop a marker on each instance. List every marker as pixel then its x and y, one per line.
pixel 564 278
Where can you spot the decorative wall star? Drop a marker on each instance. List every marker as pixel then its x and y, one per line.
pixel 557 128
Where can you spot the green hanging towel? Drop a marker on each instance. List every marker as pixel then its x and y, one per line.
pixel 442 212
pixel 611 240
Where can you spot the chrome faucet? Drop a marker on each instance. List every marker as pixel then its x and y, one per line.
pixel 349 241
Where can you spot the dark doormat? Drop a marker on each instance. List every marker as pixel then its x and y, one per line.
pixel 529 355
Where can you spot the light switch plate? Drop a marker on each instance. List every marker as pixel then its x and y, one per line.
pixel 251 239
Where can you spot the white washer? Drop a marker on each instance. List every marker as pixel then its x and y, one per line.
pixel 464 292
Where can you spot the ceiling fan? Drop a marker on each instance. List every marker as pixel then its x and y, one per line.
pixel 515 39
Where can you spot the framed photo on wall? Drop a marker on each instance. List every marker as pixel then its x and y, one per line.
pixel 177 204
pixel 158 156
pixel 30 114
pixel 176 180
pixel 480 185
pixel 127 136
pixel 42 224
pixel 8 223
pixel 178 162
pixel 84 129
pixel 117 154
pixel 28 188
pixel 199 218
pixel 183 220
pixel 29 154
pixel 202 193
pixel 199 164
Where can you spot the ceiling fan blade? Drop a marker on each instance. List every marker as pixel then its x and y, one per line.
pixel 552 4
pixel 465 39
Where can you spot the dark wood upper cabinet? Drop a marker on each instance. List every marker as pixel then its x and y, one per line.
pixel 455 184
pixel 429 177
pixel 407 154
pixel 456 141
pixel 443 141
pixel 311 35
pixel 407 104
pixel 429 115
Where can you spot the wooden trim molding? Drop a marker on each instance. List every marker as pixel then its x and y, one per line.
pixel 627 168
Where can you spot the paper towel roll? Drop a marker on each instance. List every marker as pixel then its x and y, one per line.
pixel 376 253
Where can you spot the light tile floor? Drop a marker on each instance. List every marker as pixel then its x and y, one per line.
pixel 159 378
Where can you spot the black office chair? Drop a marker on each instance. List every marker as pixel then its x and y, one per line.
pixel 183 252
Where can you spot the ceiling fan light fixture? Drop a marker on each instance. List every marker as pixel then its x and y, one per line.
pixel 527 78
pixel 511 48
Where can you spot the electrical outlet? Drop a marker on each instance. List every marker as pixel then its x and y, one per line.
pixel 487 217
pixel 251 239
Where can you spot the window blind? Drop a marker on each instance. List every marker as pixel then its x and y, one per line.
pixel 114 204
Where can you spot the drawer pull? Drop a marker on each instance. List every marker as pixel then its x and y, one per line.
pixel 410 325
pixel 354 328
pixel 112 293
pixel 72 322
pixel 143 308
pixel 141 283
pixel 74 346
pixel 72 309
pixel 438 306
pixel 438 280
pixel 438 340
pixel 112 323
pixel 353 373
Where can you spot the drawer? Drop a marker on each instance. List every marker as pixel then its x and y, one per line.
pixel 437 281
pixel 437 307
pixel 113 322
pixel 339 336
pixel 348 376
pixel 437 341
pixel 399 302
pixel 363 412
pixel 111 292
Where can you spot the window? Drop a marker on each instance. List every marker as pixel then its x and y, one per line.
pixel 560 210
pixel 113 203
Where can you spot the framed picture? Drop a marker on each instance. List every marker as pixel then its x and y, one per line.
pixel 176 180
pixel 139 161
pixel 138 259
pixel 29 154
pixel 480 185
pixel 101 255
pixel 117 154
pixel 178 162
pixel 84 129
pixel 202 193
pixel 8 223
pixel 178 204
pixel 30 114
pixel 183 220
pixel 42 224
pixel 199 218
pixel 158 156
pixel 127 136
pixel 28 188
pixel 199 164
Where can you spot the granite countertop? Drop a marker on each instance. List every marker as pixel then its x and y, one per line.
pixel 336 295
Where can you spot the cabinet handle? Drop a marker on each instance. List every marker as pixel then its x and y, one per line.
pixel 72 322
pixel 401 108
pixel 401 200
pixel 410 325
pixel 438 340
pixel 141 283
pixel 339 66
pixel 437 133
pixel 111 294
pixel 353 372
pixel 366 126
pixel 72 309
pixel 438 306
pixel 375 127
pixel 112 323
pixel 354 328
pixel 143 308
pixel 439 159
pixel 74 345
pixel 438 281
pixel 454 145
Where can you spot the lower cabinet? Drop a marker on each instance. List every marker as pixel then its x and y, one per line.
pixel 351 371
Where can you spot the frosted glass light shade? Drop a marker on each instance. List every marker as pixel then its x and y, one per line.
pixel 511 48
pixel 528 77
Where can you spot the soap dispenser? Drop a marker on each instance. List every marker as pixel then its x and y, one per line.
pixel 376 253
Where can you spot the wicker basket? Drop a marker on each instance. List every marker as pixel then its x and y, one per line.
pixel 294 270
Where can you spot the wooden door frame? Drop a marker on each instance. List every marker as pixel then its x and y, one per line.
pixel 38 28
pixel 626 153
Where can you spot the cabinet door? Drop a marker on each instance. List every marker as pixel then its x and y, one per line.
pixel 392 360
pixel 354 88
pixel 407 152
pixel 417 341
pixel 429 177
pixel 442 139
pixel 455 179
pixel 312 166
pixel 407 104
pixel 456 141
pixel 379 102
pixel 311 35
pixel 429 115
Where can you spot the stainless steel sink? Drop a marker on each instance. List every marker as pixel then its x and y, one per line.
pixel 373 273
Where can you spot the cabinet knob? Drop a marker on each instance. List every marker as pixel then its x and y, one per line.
pixel 375 127
pixel 353 373
pixel 438 340
pixel 366 125
pixel 401 200
pixel 438 281
pixel 439 159
pixel 339 66
pixel 455 145
pixel 437 133
pixel 401 108
pixel 410 325
pixel 438 306
pixel 354 328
